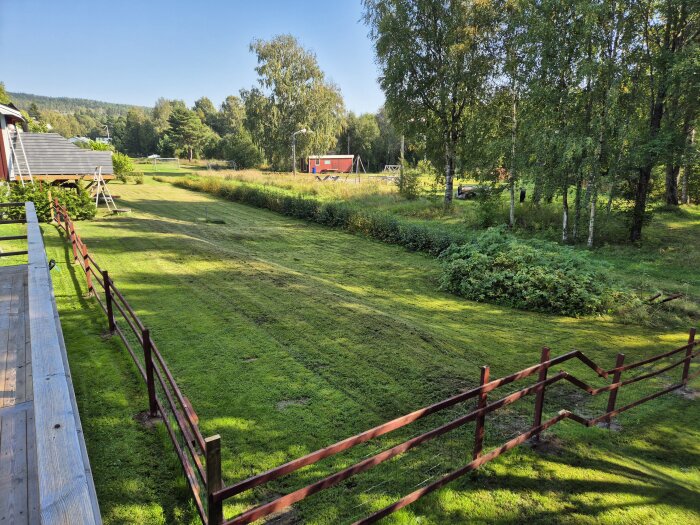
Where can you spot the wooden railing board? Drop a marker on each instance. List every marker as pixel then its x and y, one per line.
pixel 65 495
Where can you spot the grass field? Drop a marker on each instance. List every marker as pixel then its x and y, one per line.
pixel 288 336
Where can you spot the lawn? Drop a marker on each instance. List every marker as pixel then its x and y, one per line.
pixel 287 336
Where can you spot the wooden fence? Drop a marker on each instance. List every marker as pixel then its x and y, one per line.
pixel 201 458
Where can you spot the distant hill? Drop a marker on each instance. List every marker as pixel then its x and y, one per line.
pixel 69 105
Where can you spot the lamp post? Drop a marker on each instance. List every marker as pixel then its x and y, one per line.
pixel 294 147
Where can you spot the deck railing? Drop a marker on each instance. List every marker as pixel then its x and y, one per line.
pixel 201 459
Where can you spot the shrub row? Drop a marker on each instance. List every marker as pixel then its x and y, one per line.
pixel 541 276
pixel 78 201
pixel 381 226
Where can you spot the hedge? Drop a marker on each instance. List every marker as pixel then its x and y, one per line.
pixel 380 226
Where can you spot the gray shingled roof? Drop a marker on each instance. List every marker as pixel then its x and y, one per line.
pixel 51 154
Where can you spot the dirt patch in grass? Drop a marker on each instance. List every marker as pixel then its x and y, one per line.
pixel 286 403
pixel 145 420
pixel 688 393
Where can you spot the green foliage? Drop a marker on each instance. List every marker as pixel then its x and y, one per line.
pixel 538 275
pixel 4 97
pixel 490 209
pixel 293 94
pixel 187 132
pixel 410 178
pixel 100 146
pixel 122 164
pixel 138 177
pixel 78 201
pixel 239 148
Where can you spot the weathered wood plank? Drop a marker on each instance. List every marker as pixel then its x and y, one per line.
pixel 33 515
pixel 6 279
pixel 12 362
pixel 64 491
pixel 13 468
pixel 20 344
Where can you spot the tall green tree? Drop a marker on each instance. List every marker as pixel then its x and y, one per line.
pixel 292 94
pixel 359 135
pixel 666 30
pixel 436 58
pixel 187 132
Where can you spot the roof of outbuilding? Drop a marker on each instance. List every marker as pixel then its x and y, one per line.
pixel 331 156
pixel 51 154
pixel 10 110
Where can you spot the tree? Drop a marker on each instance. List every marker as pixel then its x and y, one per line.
pixel 359 135
pixel 292 94
pixel 140 136
pixel 187 132
pixel 239 148
pixel 436 59
pixel 231 116
pixel 667 29
pixel 4 97
pixel 205 110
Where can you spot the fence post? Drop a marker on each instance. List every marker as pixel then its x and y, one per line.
pixel 51 209
pixel 58 212
pixel 215 510
pixel 688 353
pixel 612 397
pixel 73 241
pixel 88 270
pixel 539 399
pixel 150 384
pixel 479 433
pixel 108 300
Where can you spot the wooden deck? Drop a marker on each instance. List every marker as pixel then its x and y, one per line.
pixel 45 475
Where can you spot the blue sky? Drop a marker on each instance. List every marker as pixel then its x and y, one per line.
pixel 136 51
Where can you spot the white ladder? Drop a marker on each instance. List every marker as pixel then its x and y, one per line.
pixel 102 190
pixel 15 163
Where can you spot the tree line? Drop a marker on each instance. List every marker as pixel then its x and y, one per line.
pixel 590 100
pixel 251 129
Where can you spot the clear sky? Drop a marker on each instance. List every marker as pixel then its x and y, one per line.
pixel 133 52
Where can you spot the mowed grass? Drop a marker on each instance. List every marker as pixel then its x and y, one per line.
pixel 288 336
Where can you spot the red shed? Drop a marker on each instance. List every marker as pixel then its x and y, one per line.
pixel 330 163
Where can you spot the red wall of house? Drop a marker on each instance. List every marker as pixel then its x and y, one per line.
pixel 340 165
pixel 4 175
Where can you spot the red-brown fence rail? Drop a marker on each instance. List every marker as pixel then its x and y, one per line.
pixel 201 459
pixel 196 454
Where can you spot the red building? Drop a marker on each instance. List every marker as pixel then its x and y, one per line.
pixel 330 163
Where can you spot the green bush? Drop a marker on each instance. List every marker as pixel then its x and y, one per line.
pixel 409 179
pixel 377 225
pixel 138 177
pixel 78 202
pixel 122 164
pixel 538 275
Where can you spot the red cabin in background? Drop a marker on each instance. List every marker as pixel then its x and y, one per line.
pixel 330 163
